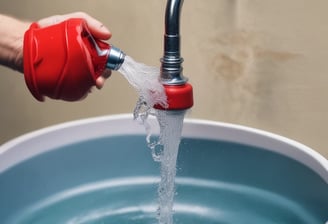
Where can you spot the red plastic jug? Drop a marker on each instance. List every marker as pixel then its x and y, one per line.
pixel 63 61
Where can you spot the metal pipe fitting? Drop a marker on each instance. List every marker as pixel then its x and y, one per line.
pixel 115 58
pixel 179 93
pixel 171 67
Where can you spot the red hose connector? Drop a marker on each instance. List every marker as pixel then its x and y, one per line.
pixel 179 97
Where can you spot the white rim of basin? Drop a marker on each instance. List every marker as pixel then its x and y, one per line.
pixel 17 149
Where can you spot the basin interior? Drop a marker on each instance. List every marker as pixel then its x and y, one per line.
pixel 114 180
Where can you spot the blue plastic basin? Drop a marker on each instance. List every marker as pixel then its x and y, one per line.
pixel 100 170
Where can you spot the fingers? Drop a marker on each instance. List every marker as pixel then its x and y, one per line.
pixel 97 29
pixel 102 79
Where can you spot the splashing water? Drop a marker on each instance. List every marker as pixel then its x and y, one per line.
pixel 145 79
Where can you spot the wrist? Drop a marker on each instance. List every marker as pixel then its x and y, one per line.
pixel 11 42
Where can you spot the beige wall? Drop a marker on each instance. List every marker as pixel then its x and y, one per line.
pixel 259 63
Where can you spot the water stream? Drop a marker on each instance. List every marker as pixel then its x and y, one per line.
pixel 164 150
pixel 171 123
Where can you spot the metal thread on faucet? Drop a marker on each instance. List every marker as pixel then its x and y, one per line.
pixel 171 68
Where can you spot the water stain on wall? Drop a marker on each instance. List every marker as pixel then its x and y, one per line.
pixel 240 50
pixel 247 70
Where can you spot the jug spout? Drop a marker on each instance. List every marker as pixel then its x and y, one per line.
pixel 106 56
pixel 115 58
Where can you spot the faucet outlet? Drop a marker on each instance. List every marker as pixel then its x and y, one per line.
pixel 178 91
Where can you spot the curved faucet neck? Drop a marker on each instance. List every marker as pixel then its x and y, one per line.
pixel 171 68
